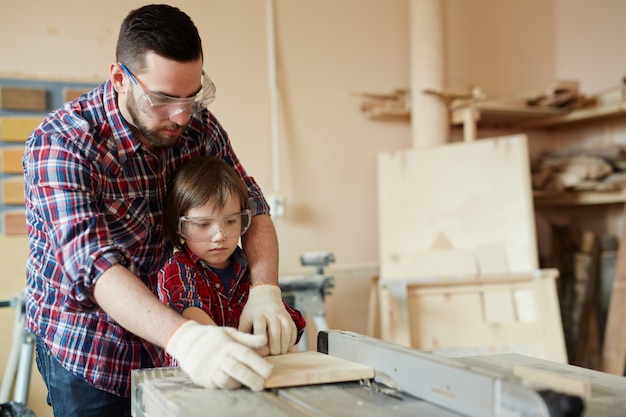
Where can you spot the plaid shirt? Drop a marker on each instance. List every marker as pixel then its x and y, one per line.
pixel 187 281
pixel 94 198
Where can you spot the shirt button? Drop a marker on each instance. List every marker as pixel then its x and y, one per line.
pixel 127 217
pixel 218 286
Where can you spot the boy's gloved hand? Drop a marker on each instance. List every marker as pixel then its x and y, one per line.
pixel 265 313
pixel 221 357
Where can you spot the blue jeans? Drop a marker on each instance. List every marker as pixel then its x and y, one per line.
pixel 71 396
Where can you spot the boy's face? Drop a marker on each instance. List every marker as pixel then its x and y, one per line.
pixel 221 233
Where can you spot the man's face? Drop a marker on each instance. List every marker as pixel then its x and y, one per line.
pixel 152 132
pixel 142 95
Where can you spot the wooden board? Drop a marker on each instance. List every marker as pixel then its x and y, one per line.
pixel 12 190
pixel 23 98
pixel 473 195
pixel 11 160
pixel 310 367
pixel 614 349
pixel 17 129
pixel 14 222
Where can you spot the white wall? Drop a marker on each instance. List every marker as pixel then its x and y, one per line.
pixel 327 50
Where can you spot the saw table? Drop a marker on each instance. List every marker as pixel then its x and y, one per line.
pixel 406 382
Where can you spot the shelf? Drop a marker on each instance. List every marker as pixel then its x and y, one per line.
pixel 578 198
pixel 502 113
pixel 506 114
pixel 389 114
pixel 516 115
pixel 587 115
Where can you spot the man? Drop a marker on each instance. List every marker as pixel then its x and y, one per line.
pixel 95 177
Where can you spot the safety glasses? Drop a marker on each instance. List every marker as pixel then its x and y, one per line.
pixel 159 106
pixel 205 229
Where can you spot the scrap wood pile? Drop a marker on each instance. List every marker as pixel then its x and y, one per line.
pixel 563 95
pixel 588 170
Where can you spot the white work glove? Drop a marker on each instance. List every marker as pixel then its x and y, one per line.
pixel 265 313
pixel 219 357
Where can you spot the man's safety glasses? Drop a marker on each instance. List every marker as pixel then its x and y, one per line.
pixel 159 106
pixel 204 229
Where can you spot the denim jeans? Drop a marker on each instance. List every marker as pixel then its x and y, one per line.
pixel 71 396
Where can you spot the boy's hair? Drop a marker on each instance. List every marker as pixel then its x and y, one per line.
pixel 163 29
pixel 197 182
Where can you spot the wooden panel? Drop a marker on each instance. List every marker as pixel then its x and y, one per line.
pixel 470 195
pixel 11 160
pixel 23 98
pixel 13 190
pixel 14 222
pixel 511 313
pixel 310 367
pixel 17 129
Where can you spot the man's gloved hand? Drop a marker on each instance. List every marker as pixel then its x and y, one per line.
pixel 221 357
pixel 265 313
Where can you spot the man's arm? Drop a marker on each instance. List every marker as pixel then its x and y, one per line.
pixel 260 245
pixel 131 304
pixel 213 356
pixel 265 313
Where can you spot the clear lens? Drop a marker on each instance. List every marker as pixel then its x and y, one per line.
pixel 159 106
pixel 204 229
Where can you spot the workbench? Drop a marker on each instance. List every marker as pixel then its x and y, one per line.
pixel 407 382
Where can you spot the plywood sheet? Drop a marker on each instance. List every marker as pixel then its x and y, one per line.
pixel 475 195
pixel 310 367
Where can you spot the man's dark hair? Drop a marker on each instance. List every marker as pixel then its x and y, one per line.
pixel 163 29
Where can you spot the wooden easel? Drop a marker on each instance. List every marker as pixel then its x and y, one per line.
pixel 614 349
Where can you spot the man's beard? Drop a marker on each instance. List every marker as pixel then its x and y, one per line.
pixel 153 136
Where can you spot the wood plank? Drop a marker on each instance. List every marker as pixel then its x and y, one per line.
pixel 556 381
pixel 14 222
pixel 614 348
pixel 23 98
pixel 13 190
pixel 310 367
pixel 17 129
pixel 11 160
pixel 70 94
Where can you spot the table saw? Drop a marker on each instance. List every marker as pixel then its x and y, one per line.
pixel 406 382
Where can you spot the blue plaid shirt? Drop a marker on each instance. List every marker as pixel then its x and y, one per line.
pixel 94 198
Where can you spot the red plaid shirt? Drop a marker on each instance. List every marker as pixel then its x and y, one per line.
pixel 187 281
pixel 94 198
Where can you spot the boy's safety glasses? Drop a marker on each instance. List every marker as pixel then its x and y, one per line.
pixel 204 229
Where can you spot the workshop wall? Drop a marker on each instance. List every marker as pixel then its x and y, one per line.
pixel 327 51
